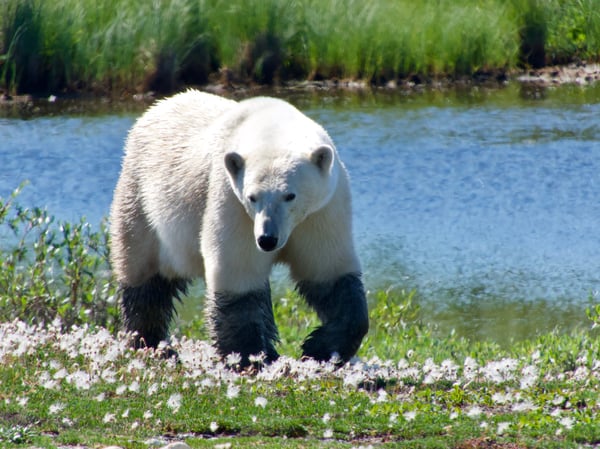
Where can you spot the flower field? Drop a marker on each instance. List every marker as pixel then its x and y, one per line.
pixel 85 387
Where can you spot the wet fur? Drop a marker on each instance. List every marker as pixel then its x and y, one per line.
pixel 342 308
pixel 244 323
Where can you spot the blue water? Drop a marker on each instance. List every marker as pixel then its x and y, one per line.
pixel 503 198
pixel 473 197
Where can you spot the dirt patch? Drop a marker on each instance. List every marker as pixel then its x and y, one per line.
pixel 581 74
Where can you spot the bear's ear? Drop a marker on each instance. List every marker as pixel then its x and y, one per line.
pixel 322 157
pixel 234 163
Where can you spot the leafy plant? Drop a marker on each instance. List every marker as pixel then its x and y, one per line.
pixel 593 314
pixel 16 434
pixel 53 269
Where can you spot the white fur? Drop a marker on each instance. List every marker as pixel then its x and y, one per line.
pixel 185 209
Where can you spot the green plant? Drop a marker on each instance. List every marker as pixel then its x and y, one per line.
pixel 54 269
pixel 113 45
pixel 16 434
pixel 593 314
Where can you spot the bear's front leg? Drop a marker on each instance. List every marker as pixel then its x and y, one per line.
pixel 243 323
pixel 342 308
pixel 148 309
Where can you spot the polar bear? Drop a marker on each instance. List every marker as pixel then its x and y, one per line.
pixel 223 190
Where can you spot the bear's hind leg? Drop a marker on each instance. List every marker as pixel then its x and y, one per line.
pixel 148 309
pixel 243 323
pixel 342 308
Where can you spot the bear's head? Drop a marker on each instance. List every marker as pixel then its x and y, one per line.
pixel 284 167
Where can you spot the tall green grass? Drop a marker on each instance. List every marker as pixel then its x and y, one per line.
pixel 160 44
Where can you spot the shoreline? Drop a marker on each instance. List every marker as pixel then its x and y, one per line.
pixel 580 74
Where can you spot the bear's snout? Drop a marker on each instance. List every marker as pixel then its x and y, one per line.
pixel 267 242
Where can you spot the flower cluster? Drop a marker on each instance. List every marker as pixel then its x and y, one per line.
pixel 94 362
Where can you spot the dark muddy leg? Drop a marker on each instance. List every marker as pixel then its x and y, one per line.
pixel 243 323
pixel 148 309
pixel 342 308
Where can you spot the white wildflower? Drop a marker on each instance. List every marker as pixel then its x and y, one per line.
pixel 410 416
pixel 136 365
pixel 257 358
pixel 60 374
pixel 125 414
pixel 567 422
pixel 207 382
pixel 109 376
pixel 470 369
pixel 152 389
pixel 109 417
pixel 148 414
pixel 449 369
pixel 67 422
pixel 353 378
pixel 134 387
pixel 393 418
pixel 326 418
pixel 524 406
pixel 233 359
pixel 556 412
pixel 121 389
pixel 80 379
pixel 100 397
pixel 214 427
pixel 381 395
pixel 500 371
pixel 46 381
pixel 429 365
pixel 174 402
pixel 581 373
pixel 54 364
pixel 135 425
pixel 56 407
pixel 474 411
pixel 22 401
pixel 502 427
pixel 501 398
pixel 328 433
pixel 530 376
pixel 233 391
pixel 260 402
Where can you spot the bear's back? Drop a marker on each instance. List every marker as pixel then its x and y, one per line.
pixel 169 124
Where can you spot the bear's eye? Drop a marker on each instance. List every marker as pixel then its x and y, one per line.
pixel 252 198
pixel 289 197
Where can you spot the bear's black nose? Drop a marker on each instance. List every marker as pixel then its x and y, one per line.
pixel 267 242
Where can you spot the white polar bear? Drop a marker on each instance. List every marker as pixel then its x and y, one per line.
pixel 224 190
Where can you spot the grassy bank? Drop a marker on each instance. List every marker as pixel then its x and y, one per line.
pixel 115 45
pixel 86 388
pixel 67 378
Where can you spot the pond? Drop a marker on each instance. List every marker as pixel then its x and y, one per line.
pixel 485 201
